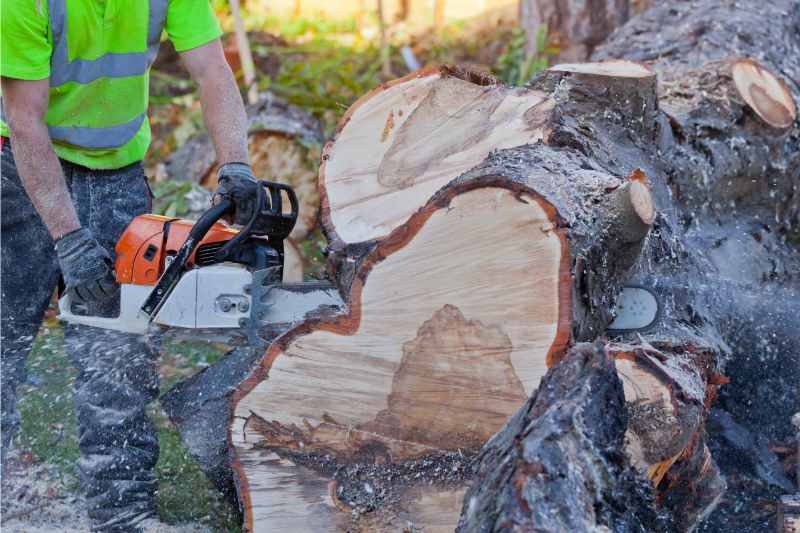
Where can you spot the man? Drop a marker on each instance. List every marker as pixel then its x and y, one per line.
pixel 74 101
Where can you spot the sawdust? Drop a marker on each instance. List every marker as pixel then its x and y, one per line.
pixel 37 499
pixel 364 487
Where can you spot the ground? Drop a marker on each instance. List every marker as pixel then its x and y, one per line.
pixel 40 491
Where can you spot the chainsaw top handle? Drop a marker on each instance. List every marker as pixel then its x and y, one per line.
pixel 271 220
pixel 267 218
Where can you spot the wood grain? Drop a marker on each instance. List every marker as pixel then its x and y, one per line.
pixel 399 145
pixel 428 360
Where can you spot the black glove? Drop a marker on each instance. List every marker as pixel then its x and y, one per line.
pixel 86 267
pixel 236 181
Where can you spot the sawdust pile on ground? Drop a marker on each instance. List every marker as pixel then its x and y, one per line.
pixel 36 500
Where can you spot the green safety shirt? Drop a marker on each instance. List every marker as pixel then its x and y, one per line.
pixel 97 55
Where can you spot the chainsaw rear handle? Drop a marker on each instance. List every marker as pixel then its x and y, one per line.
pixel 271 220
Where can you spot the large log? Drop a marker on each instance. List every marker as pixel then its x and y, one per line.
pixel 346 388
pixel 560 464
pixel 604 220
pixel 367 419
pixel 591 145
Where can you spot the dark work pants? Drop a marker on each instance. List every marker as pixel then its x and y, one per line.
pixel 117 373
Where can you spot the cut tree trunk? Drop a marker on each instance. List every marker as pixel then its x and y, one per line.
pixel 424 202
pixel 367 420
pixel 604 218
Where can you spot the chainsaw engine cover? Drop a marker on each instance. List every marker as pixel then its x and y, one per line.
pixel 149 240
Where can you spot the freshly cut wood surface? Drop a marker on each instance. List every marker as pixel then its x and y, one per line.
pixel 766 94
pixel 665 392
pixel 404 141
pixel 617 69
pixel 452 321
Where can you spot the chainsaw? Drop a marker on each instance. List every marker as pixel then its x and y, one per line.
pixel 206 278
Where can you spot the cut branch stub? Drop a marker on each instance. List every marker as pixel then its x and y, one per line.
pixel 452 320
pixel 593 90
pixel 398 145
pixel 615 68
pixel 765 93
pixel 668 390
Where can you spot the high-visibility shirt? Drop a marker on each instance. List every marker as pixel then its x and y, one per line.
pixel 97 55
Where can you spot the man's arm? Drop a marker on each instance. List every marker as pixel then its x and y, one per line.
pixel 223 110
pixel 85 265
pixel 25 104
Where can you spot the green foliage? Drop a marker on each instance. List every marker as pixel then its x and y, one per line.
pixel 513 67
pixel 323 76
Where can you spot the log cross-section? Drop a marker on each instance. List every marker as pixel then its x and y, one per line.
pixel 451 323
pixel 401 143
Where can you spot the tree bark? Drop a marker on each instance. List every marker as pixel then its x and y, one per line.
pixel 559 464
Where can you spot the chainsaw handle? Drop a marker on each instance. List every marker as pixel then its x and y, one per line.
pixel 276 200
pixel 169 279
pixel 271 220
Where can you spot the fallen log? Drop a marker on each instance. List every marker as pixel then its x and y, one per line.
pixel 560 463
pixel 384 385
pixel 425 365
pixel 345 390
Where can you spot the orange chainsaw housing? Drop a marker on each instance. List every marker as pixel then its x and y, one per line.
pixel 150 239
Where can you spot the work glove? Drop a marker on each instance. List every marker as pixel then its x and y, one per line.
pixel 86 267
pixel 236 182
